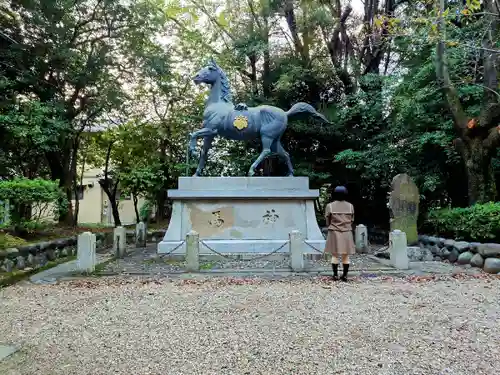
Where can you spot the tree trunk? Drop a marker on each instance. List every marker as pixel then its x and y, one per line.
pixel 477 140
pixel 115 212
pixel 480 179
pixel 136 201
pixel 59 172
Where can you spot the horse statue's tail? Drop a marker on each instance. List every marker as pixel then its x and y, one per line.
pixel 302 107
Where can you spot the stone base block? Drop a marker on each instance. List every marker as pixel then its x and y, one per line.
pixel 242 214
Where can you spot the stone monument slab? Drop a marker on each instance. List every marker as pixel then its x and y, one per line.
pixel 242 214
pixel 403 202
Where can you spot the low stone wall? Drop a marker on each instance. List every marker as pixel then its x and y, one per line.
pixel 37 255
pixel 481 255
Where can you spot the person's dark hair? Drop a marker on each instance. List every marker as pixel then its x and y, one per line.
pixel 339 193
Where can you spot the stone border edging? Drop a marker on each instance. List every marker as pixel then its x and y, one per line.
pixel 482 255
pixel 34 256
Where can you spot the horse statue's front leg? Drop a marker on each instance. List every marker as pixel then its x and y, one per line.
pixel 208 135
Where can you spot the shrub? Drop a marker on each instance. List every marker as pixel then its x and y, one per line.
pixel 31 199
pixel 480 222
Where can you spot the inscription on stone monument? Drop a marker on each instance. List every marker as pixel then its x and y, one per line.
pixel 216 220
pixel 270 216
pixel 403 203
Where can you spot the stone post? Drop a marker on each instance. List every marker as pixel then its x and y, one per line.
pixel 192 251
pixel 140 234
pixel 361 239
pixel 86 258
pixel 398 250
pixel 296 255
pixel 119 241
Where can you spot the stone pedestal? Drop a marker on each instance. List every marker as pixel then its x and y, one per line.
pixel 242 214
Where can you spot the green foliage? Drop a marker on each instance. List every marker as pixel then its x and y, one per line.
pixel 32 195
pixel 145 211
pixel 480 222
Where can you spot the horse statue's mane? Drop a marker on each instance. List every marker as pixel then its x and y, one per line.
pixel 225 93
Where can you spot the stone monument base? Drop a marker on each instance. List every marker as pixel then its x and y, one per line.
pixel 242 214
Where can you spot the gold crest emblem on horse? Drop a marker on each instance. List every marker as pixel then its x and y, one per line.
pixel 240 122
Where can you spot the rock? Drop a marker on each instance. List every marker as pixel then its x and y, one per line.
pixel 462 246
pixel 444 253
pixel 28 249
pixel 449 244
pixel 31 260
pixel 417 254
pixel 435 250
pixel 13 252
pixel 41 259
pixel 492 265
pixel 20 263
pixel 489 250
pixel 44 245
pixel 453 256
pixel 433 240
pixel 153 239
pixel 50 254
pixel 474 246
pixel 62 243
pixel 465 258
pixel 57 253
pixel 441 241
pixel 423 239
pixel 477 261
pixel 64 252
pixel 437 259
pixel 8 265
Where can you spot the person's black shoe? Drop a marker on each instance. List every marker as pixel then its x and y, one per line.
pixel 335 268
pixel 345 270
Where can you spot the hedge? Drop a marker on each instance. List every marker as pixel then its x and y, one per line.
pixel 480 223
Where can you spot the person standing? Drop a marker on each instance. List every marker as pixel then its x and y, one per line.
pixel 339 216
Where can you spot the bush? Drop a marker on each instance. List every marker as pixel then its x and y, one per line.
pixel 30 200
pixel 480 223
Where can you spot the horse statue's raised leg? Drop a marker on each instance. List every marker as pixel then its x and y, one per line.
pixel 208 135
pixel 207 145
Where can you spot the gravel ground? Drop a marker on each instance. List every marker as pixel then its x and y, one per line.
pixel 134 326
pixel 146 261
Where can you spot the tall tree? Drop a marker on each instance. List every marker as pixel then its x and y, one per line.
pixel 479 136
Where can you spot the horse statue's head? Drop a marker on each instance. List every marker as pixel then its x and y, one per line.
pixel 212 73
pixel 209 74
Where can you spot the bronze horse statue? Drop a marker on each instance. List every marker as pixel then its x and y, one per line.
pixel 239 122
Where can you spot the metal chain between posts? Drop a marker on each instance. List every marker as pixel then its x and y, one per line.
pixel 312 247
pixel 245 260
pixel 171 251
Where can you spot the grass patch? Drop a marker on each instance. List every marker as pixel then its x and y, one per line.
pixel 171 261
pixel 207 266
pixel 10 278
pixel 7 241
